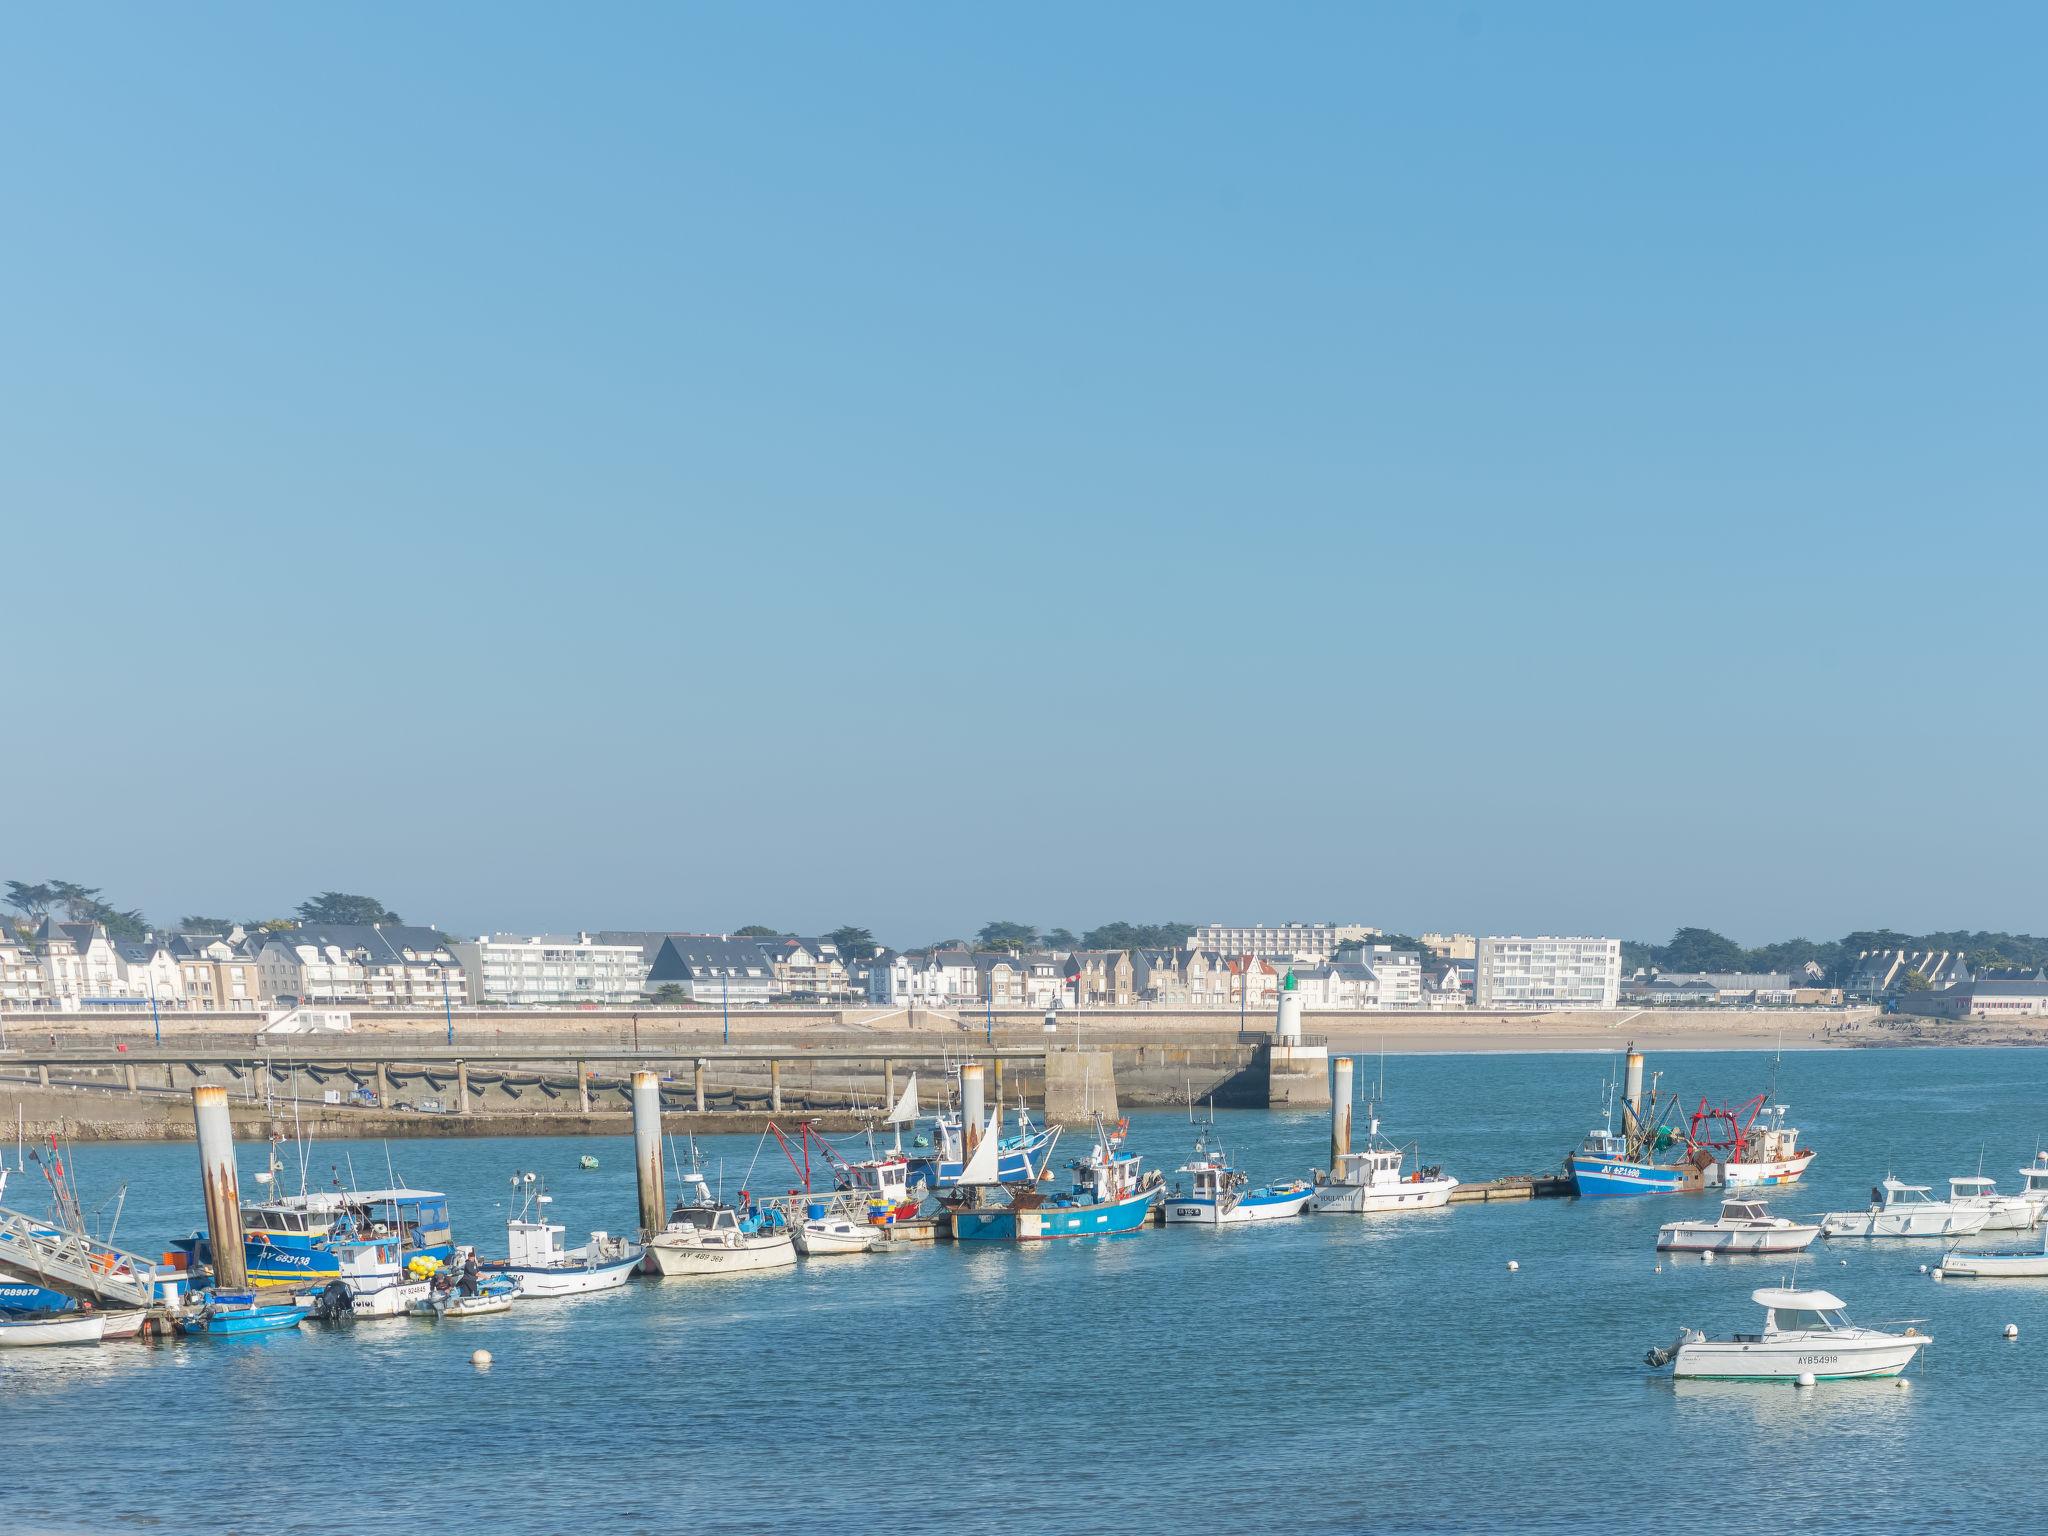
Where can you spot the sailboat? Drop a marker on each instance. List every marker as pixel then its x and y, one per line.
pixel 882 1182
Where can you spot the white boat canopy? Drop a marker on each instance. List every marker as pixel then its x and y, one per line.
pixel 1898 1188
pixel 1972 1181
pixel 1797 1301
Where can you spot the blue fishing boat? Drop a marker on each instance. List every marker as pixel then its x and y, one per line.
pixel 226 1314
pixel 1646 1156
pixel 310 1239
pixel 1019 1156
pixel 1109 1197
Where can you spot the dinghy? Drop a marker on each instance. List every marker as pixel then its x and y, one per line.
pixel 2029 1263
pixel 52 1328
pixel 823 1237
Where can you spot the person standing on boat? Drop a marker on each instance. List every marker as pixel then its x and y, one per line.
pixel 470 1285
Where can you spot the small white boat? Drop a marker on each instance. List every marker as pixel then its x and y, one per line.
pixel 52 1328
pixel 1219 1195
pixel 125 1323
pixel 1744 1226
pixel 541 1267
pixel 2028 1263
pixel 1371 1183
pixel 1805 1334
pixel 823 1237
pixel 1905 1210
pixel 2004 1213
pixel 2034 1185
pixel 720 1247
pixel 437 1307
pixel 391 1299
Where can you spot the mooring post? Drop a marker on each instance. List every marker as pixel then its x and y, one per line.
pixel 131 1076
pixel 647 1151
pixel 889 1081
pixel 1340 1115
pixel 583 1087
pixel 775 1084
pixel 43 1074
pixel 999 1079
pixel 700 1085
pixel 462 1087
pixel 383 1087
pixel 223 1186
pixel 973 1118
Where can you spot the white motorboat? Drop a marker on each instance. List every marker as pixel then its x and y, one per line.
pixel 2034 1185
pixel 2028 1263
pixel 1905 1210
pixel 827 1236
pixel 392 1299
pixel 538 1263
pixel 721 1247
pixel 1370 1182
pixel 1805 1334
pixel 1218 1194
pixel 52 1328
pixel 2004 1213
pixel 1744 1226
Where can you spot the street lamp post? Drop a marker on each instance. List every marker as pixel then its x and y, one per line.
pixel 447 1005
pixel 725 1003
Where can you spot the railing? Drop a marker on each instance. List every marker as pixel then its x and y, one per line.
pixel 37 1250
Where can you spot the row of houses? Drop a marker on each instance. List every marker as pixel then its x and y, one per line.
pixel 1730 989
pixel 79 966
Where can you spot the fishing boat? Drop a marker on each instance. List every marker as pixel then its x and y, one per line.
pixel 887 1185
pixel 2006 1213
pixel 2027 1263
pixel 1905 1210
pixel 1646 1156
pixel 1806 1335
pixel 1370 1181
pixel 306 1239
pixel 540 1266
pixel 1019 1156
pixel 827 1235
pixel 1759 1149
pixel 1217 1194
pixel 227 1314
pixel 1110 1195
pixel 1744 1226
pixel 45 1328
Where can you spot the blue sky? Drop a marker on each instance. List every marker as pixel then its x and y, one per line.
pixel 1573 468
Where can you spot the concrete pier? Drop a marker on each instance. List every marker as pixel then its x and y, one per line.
pixel 1297 1065
pixel 647 1152
pixel 222 1183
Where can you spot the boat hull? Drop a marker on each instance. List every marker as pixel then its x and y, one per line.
pixel 1903 1223
pixel 241 1320
pixel 1599 1176
pixel 1053 1220
pixel 829 1242
pixel 1760 1175
pixel 2032 1265
pixel 1704 1237
pixel 460 1308
pixel 1381 1199
pixel 695 1257
pixel 388 1300
pixel 77 1328
pixel 1787 1361
pixel 576 1280
pixel 1256 1205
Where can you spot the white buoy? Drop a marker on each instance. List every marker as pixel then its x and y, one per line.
pixel 1923 1269
pixel 1939 1275
pixel 1660 1269
pixel 1706 1258
pixel 2012 1330
pixel 1806 1378
pixel 1513 1266
pixel 1845 1263
pixel 480 1358
pixel 1902 1382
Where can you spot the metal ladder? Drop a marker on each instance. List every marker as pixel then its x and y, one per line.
pixel 69 1261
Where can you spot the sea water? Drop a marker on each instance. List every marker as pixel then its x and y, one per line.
pixel 1326 1374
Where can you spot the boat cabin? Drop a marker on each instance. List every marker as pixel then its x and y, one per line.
pixel 1797 1312
pixel 1893 1195
pixel 1376 1164
pixel 2034 1178
pixel 1972 1188
pixel 1747 1213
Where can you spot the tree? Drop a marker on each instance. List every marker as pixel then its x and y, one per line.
pixel 1915 982
pixel 854 943
pixel 1010 936
pixel 670 992
pixel 1061 938
pixel 1137 936
pixel 1700 949
pixel 341 907
pixel 76 900
pixel 205 925
pixel 30 900
pixel 756 931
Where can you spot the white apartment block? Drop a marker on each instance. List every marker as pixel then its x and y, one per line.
pixel 1517 972
pixel 373 965
pixel 936 978
pixel 1279 941
pixel 527 970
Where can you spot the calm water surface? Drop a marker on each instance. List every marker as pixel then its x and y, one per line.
pixel 1333 1374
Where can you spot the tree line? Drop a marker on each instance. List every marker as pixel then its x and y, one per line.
pixel 32 901
pixel 1702 949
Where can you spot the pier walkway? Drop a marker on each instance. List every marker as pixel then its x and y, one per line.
pixel 79 1266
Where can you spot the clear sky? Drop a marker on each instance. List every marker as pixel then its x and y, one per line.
pixel 1562 468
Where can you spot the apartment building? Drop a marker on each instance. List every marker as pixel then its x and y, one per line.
pixel 1547 972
